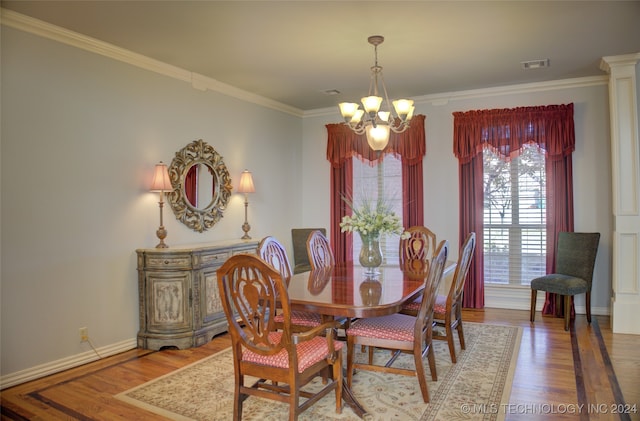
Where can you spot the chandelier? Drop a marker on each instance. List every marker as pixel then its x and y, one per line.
pixel 376 119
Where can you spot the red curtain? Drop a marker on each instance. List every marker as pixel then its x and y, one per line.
pixel 343 144
pixel 559 175
pixel 506 131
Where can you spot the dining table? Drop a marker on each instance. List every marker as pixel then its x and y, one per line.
pixel 350 291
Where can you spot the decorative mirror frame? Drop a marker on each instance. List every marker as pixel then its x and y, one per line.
pixel 195 153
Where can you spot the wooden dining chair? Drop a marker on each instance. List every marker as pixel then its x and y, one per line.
pixel 420 245
pixel 282 361
pixel 274 253
pixel 319 251
pixel 402 333
pixel 447 310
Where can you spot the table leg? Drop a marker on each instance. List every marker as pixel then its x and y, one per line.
pixel 351 401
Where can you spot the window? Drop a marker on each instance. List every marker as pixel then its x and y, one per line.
pixel 514 217
pixel 370 183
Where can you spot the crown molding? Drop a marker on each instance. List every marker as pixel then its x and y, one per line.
pixel 622 60
pixel 46 30
pixel 447 97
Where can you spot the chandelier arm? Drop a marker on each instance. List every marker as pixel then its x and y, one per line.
pixel 358 128
pixel 401 128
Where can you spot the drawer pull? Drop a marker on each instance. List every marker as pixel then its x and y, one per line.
pixel 166 262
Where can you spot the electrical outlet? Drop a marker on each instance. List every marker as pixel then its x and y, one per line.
pixel 84 334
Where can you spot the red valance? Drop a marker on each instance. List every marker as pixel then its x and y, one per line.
pixel 343 144
pixel 506 131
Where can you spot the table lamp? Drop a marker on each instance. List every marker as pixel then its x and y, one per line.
pixel 161 183
pixel 246 186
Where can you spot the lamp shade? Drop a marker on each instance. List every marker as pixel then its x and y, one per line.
pixel 246 183
pixel 161 181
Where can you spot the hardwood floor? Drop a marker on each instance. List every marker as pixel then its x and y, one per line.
pixel 588 373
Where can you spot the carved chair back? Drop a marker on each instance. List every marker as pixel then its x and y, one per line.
pixel 274 253
pixel 319 251
pixel 421 245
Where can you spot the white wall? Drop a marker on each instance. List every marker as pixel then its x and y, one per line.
pixel 591 168
pixel 81 134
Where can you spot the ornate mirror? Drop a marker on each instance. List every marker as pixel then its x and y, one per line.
pixel 201 186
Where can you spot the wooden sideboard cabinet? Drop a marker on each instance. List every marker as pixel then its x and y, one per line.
pixel 178 293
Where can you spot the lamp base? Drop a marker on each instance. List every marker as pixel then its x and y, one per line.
pixel 246 227
pixel 162 234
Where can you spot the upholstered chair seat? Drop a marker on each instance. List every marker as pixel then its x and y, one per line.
pixel 558 283
pixel 439 307
pixel 395 327
pixel 308 353
pixel 301 318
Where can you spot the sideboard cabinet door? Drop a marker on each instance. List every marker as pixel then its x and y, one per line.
pixel 178 293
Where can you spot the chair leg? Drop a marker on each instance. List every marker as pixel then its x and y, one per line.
pixel 421 374
pixel 237 401
pixel 587 299
pixel 461 334
pixel 452 346
pixel 431 357
pixel 567 311
pixel 294 398
pixel 337 377
pixel 534 296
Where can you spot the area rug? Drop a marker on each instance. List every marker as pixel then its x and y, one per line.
pixel 475 388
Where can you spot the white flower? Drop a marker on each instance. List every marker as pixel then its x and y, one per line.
pixel 372 220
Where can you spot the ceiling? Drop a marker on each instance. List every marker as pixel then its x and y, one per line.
pixel 293 52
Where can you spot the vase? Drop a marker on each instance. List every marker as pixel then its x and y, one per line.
pixel 370 253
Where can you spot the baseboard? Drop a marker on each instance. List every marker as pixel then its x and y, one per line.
pixel 57 366
pixel 519 298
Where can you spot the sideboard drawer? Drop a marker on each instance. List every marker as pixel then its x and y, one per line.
pixel 209 259
pixel 168 262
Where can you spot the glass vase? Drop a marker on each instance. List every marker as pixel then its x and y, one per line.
pixel 370 254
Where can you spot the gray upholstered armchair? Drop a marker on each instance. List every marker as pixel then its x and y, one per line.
pixel 575 260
